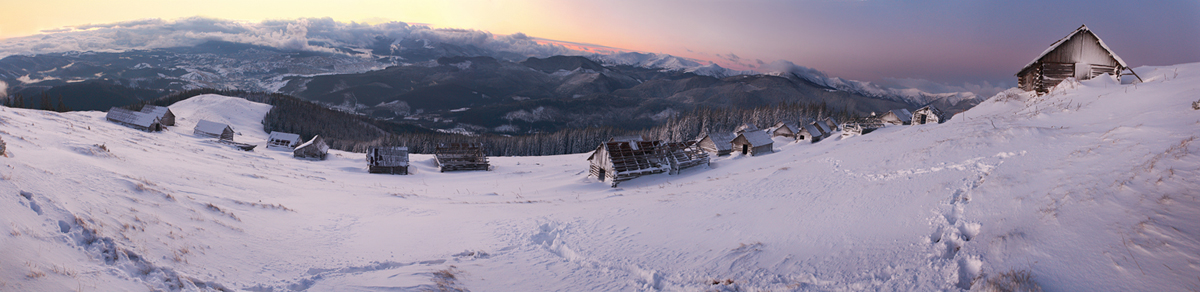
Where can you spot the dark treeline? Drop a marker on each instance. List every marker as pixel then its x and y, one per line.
pixel 45 103
pixel 352 132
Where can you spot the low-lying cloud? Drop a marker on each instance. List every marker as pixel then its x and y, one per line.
pixel 295 34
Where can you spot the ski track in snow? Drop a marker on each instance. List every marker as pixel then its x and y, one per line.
pixel 1086 188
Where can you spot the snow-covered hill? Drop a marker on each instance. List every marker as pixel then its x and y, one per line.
pixel 1092 187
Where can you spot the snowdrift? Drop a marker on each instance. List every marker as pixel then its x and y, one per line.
pixel 1092 187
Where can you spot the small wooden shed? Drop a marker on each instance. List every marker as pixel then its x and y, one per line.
pixel 205 128
pixel 896 117
pixel 719 143
pixel 785 129
pixel 393 160
pixel 622 161
pixel 137 120
pixel 1081 54
pixel 814 132
pixel 283 141
pixel 928 115
pixel 753 143
pixel 164 114
pixel 460 156
pixel 313 149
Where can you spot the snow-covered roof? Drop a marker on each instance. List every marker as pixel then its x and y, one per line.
pixel 211 127
pixel 757 138
pixel 812 129
pixel 902 114
pixel 131 117
pixel 626 138
pixel 789 124
pixel 158 111
pixel 321 146
pixel 721 139
pixel 747 127
pixel 1082 28
pixel 283 137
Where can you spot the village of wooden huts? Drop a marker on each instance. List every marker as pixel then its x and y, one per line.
pixel 896 117
pixel 460 156
pixel 1080 55
pixel 315 148
pixel 205 128
pixel 393 160
pixel 138 120
pixel 625 158
pixel 929 115
pixel 282 141
pixel 164 114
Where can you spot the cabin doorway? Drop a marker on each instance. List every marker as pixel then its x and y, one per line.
pixel 600 175
pixel 745 149
pixel 921 119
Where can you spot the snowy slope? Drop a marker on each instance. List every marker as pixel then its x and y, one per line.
pixel 1089 188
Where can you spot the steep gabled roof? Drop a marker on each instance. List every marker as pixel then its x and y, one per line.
pixel 157 111
pixel 789 124
pixel 757 138
pixel 321 146
pixel 902 114
pixel 721 139
pixel 1081 29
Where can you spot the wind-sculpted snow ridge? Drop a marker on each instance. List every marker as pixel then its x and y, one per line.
pixel 1088 188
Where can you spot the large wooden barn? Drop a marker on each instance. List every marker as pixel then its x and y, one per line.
pixel 313 149
pixel 753 143
pixel 719 143
pixel 460 156
pixel 1081 55
pixel 622 161
pixel 164 114
pixel 205 128
pixel 393 160
pixel 137 120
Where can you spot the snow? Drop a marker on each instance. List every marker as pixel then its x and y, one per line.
pixel 1091 187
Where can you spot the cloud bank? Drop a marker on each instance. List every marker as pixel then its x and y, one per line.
pixel 299 34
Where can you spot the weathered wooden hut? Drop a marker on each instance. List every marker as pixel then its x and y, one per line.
pixel 830 125
pixel 928 115
pixel 315 148
pixel 622 161
pixel 785 129
pixel 460 156
pixel 814 132
pixel 719 143
pixel 393 160
pixel 747 127
pixel 684 155
pixel 205 128
pixel 1081 55
pixel 137 120
pixel 283 141
pixel 898 116
pixel 753 143
pixel 164 114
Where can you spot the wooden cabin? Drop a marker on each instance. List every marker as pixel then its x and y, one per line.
pixel 718 143
pixel 684 155
pixel 928 115
pixel 283 141
pixel 393 160
pixel 315 148
pixel 830 125
pixel 205 128
pixel 622 161
pixel 1081 54
pixel 814 132
pixel 785 129
pixel 460 156
pixel 896 117
pixel 137 120
pixel 747 127
pixel 164 114
pixel 753 143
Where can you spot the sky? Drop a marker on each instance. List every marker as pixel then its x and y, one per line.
pixel 958 43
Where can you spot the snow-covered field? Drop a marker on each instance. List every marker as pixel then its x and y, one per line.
pixel 1091 188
